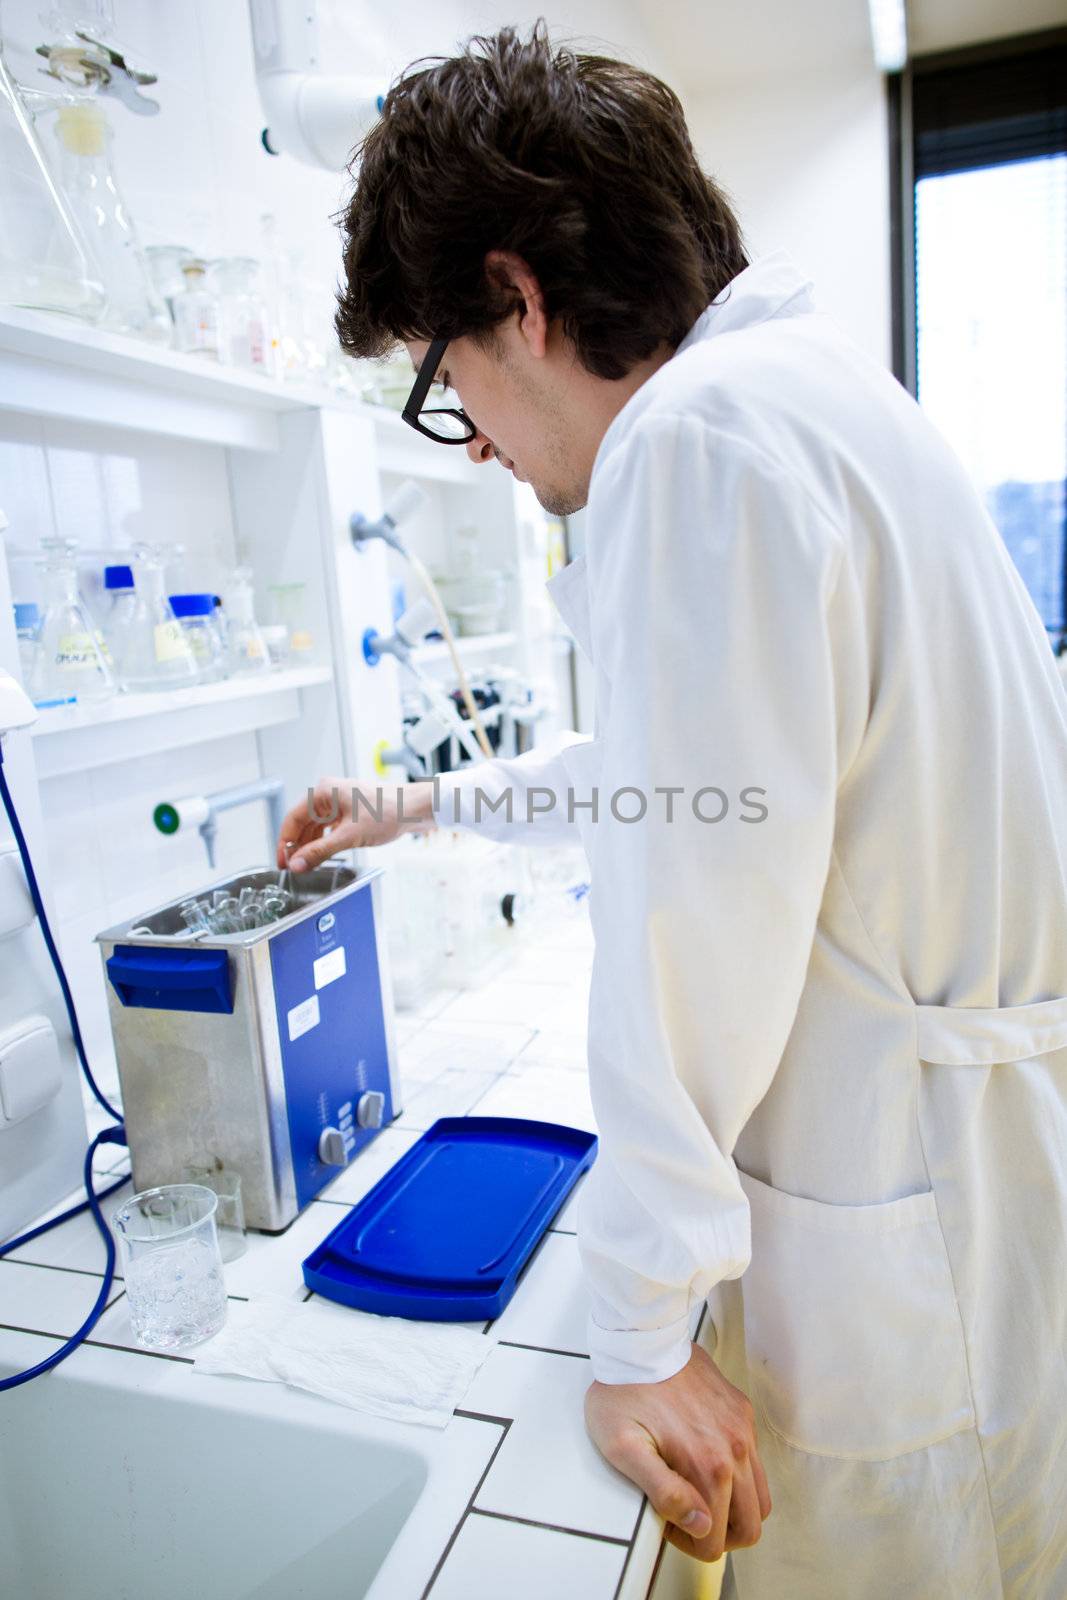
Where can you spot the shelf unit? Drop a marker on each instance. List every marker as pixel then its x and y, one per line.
pixel 469 647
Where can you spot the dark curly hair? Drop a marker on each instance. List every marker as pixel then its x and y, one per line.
pixel 581 165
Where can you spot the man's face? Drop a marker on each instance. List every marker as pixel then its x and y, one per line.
pixel 519 407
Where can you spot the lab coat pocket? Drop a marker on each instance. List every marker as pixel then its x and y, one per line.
pixel 853 1334
pixel 583 798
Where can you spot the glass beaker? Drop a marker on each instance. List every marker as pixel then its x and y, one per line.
pixel 73 661
pixel 172 1266
pixel 83 166
pixel 165 262
pixel 44 261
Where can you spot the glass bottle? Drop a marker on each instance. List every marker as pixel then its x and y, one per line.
pixel 288 605
pixel 245 339
pixel 121 610
pixel 196 613
pixel 44 261
pixel 28 628
pixel 71 664
pixel 196 312
pixel 246 647
pixel 153 652
pixel 83 138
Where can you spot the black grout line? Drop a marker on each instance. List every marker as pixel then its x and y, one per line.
pixel 545 1349
pixel 551 1527
pixel 630 1552
pixel 48 1266
pixel 505 1425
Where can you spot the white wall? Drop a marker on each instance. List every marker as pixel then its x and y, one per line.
pixel 805 162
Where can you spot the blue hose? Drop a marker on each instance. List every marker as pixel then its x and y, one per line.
pixel 113 1135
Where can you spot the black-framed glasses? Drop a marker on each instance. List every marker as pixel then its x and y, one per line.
pixel 446 424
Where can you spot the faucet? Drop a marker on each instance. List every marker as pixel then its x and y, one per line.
pixel 202 810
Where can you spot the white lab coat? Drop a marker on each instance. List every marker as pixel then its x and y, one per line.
pixel 828 1048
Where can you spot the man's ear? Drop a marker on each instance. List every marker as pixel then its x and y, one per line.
pixel 519 289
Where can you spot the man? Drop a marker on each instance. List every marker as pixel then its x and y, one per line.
pixel 828 1020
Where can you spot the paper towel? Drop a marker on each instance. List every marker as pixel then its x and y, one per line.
pixel 388 1366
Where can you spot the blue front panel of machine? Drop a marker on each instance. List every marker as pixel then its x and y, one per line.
pixel 327 991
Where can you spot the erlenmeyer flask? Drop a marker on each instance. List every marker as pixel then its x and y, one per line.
pixel 44 262
pixel 156 653
pixel 72 662
pixel 83 168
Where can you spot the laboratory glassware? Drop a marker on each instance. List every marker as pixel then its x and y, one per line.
pixel 276 639
pixel 196 312
pixel 230 1215
pixel 28 628
pixel 83 167
pixel 196 613
pixel 155 651
pixel 289 608
pixel 165 262
pixel 246 647
pixel 244 334
pixel 121 609
pixel 74 661
pixel 45 262
pixel 172 1265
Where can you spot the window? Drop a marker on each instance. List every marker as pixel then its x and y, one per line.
pixel 982 229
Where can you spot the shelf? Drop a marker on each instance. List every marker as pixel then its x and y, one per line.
pixel 475 644
pixel 59 367
pixel 130 726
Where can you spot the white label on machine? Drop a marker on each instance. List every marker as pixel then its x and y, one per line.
pixel 303 1018
pixel 330 967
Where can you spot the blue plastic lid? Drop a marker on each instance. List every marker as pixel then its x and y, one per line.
pixel 118 578
pixel 444 1235
pixel 192 605
pixel 27 614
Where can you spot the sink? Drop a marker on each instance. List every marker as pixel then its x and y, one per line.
pixel 123 1476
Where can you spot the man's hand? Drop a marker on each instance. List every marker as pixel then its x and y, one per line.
pixel 348 814
pixel 690 1444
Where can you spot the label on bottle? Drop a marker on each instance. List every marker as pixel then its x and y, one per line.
pixel 170 640
pixel 301 641
pixel 76 652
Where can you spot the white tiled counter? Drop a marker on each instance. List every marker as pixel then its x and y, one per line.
pixel 523 1504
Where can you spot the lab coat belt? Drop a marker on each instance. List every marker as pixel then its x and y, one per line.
pixel 961 1036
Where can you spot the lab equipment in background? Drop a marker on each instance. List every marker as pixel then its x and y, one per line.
pixel 444 1235
pixel 196 613
pixel 196 312
pixel 44 260
pixel 73 662
pixel 153 650
pixel 165 262
pixel 202 811
pixel 276 639
pixel 317 119
pixel 83 167
pixel 268 1051
pixel 28 629
pixel 475 601
pixel 288 608
pixel 80 56
pixel 171 1265
pixel 121 609
pixel 245 646
pixel 230 1213
pixel 244 334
